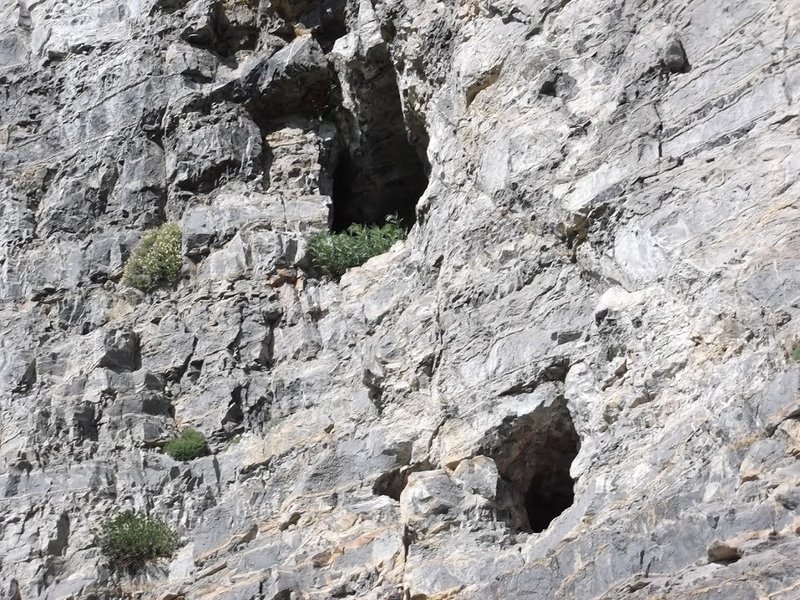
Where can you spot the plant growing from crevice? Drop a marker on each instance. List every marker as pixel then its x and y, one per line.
pixel 156 259
pixel 129 540
pixel 190 444
pixel 274 422
pixel 333 253
pixel 795 353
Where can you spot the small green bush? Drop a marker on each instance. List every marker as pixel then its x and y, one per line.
pixel 796 353
pixel 129 540
pixel 334 253
pixel 188 445
pixel 156 259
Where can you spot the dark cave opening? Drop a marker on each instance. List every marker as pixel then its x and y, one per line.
pixel 533 454
pixel 332 23
pixel 369 188
pixel 550 491
pixel 391 483
pixel 381 169
pixel 342 195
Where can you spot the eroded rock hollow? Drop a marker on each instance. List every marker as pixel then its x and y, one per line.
pixel 577 378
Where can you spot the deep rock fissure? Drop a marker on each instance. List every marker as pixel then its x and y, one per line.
pixel 379 171
pixel 533 454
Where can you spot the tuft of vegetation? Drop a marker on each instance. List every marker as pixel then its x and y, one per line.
pixel 796 353
pixel 156 259
pixel 129 540
pixel 274 422
pixel 190 444
pixel 333 253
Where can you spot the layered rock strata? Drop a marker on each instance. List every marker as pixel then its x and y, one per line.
pixel 572 381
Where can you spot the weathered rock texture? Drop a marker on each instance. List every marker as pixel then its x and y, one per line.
pixel 602 285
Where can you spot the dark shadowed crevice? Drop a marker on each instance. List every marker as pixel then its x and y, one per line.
pixel 379 171
pixel 533 454
pixel 342 195
pixel 324 19
pixel 233 37
pixel 330 24
pixel 550 491
pixel 370 185
pixel 85 423
pixel 233 419
pixel 393 482
pixel 57 546
pixel 28 379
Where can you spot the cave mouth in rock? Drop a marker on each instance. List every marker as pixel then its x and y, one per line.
pixel 550 492
pixel 382 168
pixel 358 198
pixel 392 483
pixel 533 454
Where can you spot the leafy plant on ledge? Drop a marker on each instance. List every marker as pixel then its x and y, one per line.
pixel 795 354
pixel 333 253
pixel 190 444
pixel 156 259
pixel 129 540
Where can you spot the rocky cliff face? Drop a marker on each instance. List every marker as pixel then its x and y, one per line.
pixel 572 381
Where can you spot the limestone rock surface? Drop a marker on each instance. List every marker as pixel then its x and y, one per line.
pixel 573 380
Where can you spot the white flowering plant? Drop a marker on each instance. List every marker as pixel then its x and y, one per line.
pixel 157 259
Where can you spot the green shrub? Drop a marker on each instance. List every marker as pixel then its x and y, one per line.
pixel 129 540
pixel 188 445
pixel 156 259
pixel 334 253
pixel 796 353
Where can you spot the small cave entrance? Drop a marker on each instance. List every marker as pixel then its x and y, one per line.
pixel 366 192
pixel 379 171
pixel 392 483
pixel 533 454
pixel 550 492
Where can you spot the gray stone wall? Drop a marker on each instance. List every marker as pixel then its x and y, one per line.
pixel 602 285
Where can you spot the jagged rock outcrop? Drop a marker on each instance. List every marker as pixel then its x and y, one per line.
pixel 573 380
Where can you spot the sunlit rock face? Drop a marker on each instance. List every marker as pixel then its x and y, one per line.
pixel 573 380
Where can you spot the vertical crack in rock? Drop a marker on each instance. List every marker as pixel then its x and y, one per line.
pixel 58 545
pixel 85 426
pixel 28 379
